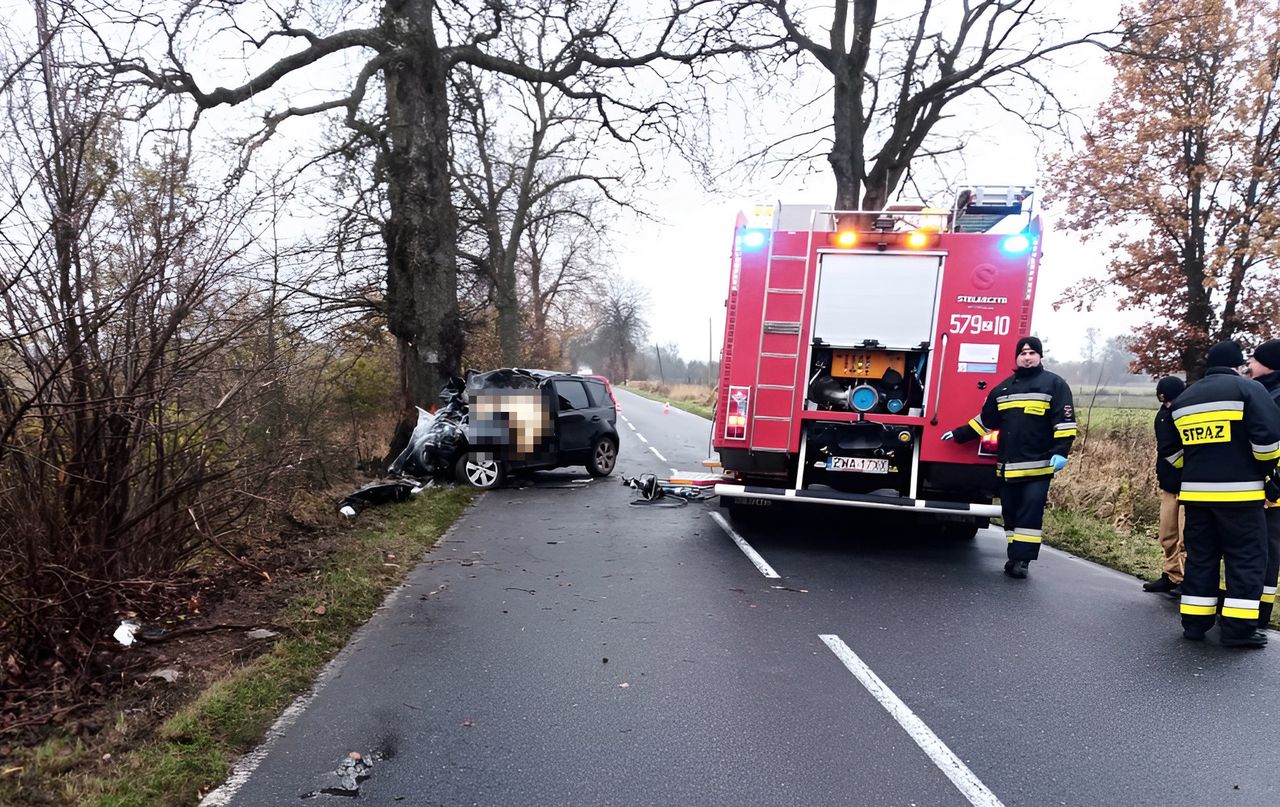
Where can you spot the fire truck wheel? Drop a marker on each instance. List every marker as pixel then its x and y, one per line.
pixel 604 456
pixel 483 474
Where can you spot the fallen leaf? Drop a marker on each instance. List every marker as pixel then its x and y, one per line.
pixel 321 610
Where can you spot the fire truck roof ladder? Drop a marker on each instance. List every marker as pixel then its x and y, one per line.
pixel 787 363
pixel 980 208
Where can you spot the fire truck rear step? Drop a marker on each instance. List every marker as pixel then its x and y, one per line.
pixel 834 497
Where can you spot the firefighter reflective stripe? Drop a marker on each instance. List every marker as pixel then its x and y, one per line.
pixel 1033 403
pixel 1065 429
pixel 1221 491
pixel 1265 452
pixel 976 425
pixel 1199 606
pixel 1013 470
pixel 1213 410
pixel 1268 593
pixel 1240 609
pixel 1025 396
pixel 1025 535
pixel 1175 459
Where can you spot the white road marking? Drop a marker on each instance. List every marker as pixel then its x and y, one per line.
pixel 642 439
pixel 624 419
pixel 674 472
pixel 632 425
pixel 656 453
pixel 752 555
pixel 964 779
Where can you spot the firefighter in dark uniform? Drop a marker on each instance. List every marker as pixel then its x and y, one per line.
pixel 1264 367
pixel 1033 411
pixel 1229 429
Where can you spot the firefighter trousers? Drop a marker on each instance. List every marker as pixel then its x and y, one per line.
pixel 1238 537
pixel 1273 567
pixel 1022 507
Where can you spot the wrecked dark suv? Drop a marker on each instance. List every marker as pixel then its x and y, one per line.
pixel 513 420
pixel 526 420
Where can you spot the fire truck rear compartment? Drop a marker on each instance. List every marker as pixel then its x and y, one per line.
pixel 859 457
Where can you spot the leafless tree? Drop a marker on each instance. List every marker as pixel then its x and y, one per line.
pixel 563 261
pixel 624 59
pixel 899 69
pixel 618 327
pixel 132 360
pixel 541 173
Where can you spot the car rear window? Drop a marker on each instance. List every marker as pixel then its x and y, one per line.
pixel 572 395
pixel 599 395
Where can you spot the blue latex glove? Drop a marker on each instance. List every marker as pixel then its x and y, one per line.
pixel 1058 462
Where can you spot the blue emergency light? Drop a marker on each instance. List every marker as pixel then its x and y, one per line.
pixel 754 239
pixel 1016 244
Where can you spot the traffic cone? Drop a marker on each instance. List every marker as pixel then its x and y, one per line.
pixel 666 409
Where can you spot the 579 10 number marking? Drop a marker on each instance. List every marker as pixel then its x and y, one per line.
pixel 977 324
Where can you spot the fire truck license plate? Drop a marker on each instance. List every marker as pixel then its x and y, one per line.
pixel 864 465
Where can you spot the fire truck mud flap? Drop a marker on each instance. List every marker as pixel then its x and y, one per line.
pixel 831 497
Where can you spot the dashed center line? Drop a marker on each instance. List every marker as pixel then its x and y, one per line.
pixel 657 454
pixel 632 425
pixel 642 438
pixel 752 555
pixel 964 779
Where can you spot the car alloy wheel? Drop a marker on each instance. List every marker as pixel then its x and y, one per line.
pixel 603 457
pixel 483 474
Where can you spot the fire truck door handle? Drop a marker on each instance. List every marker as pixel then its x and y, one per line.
pixel 937 394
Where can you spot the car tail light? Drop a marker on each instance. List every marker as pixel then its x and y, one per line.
pixel 989 445
pixel 735 420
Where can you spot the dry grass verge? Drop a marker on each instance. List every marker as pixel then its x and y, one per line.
pixel 695 398
pixel 133 760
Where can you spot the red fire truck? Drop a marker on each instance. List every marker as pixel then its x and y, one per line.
pixel 854 339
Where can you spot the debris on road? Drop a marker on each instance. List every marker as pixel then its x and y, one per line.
pixel 675 491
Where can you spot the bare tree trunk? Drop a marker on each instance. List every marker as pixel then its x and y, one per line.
pixel 422 281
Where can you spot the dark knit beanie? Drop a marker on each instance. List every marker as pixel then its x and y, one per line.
pixel 1268 354
pixel 1225 354
pixel 1033 342
pixel 1170 387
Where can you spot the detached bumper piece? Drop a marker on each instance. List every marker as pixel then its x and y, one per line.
pixel 873 501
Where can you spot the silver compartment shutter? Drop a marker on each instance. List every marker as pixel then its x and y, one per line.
pixel 888 298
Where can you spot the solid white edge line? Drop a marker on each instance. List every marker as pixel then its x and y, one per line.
pixel 752 555
pixel 657 453
pixel 964 779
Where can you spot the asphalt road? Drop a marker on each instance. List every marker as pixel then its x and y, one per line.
pixel 561 647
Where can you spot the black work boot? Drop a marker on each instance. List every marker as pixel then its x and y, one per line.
pixel 1193 635
pixel 1160 585
pixel 1253 640
pixel 1016 568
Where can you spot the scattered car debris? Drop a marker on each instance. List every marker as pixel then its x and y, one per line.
pixel 261 633
pixel 126 633
pixel 168 675
pixel 676 491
